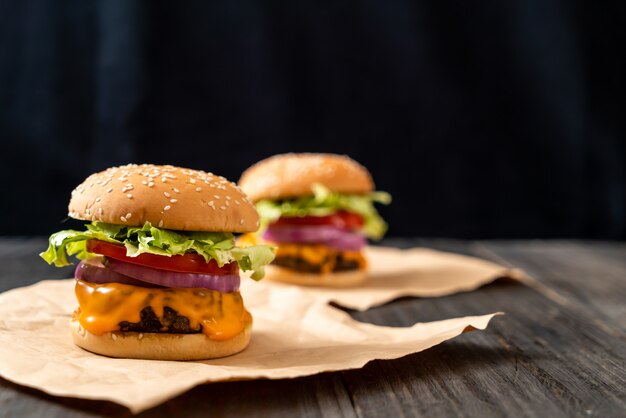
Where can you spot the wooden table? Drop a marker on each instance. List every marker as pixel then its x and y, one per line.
pixel 559 352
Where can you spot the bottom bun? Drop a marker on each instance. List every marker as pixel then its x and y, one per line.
pixel 157 346
pixel 341 279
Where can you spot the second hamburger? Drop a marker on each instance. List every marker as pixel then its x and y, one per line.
pixel 319 210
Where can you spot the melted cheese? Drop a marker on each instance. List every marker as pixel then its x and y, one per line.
pixel 318 254
pixel 103 306
pixel 246 240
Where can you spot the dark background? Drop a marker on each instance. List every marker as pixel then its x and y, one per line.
pixel 483 119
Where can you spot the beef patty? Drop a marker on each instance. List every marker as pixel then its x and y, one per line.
pixel 302 265
pixel 171 323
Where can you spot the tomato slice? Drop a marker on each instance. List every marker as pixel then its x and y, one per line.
pixel 188 263
pixel 341 219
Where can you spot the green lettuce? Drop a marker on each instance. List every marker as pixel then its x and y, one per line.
pixel 324 202
pixel 219 246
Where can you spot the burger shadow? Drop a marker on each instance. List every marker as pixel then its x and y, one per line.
pixel 425 279
pixel 25 400
pixel 379 314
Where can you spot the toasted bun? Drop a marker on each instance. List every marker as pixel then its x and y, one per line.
pixel 341 279
pixel 293 175
pixel 166 196
pixel 153 346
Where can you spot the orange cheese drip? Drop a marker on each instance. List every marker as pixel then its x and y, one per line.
pixel 103 306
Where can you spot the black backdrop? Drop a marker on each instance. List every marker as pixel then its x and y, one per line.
pixel 483 119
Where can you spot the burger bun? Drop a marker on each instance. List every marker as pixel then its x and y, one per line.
pixel 158 346
pixel 338 279
pixel 293 175
pixel 166 196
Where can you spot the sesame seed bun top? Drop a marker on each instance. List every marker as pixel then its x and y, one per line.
pixel 293 175
pixel 166 196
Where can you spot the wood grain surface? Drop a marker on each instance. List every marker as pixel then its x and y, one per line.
pixel 560 350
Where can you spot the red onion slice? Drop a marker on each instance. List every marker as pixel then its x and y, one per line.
pixel 93 271
pixel 327 235
pixel 226 283
pixel 351 242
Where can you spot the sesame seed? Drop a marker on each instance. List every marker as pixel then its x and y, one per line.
pixel 227 197
pixel 168 207
pixel 123 219
pixel 128 215
pixel 237 202
pixel 100 211
pixel 98 199
pixel 140 336
pixel 128 195
pixel 164 179
pixel 216 196
pixel 176 190
pixel 223 207
pixel 211 204
pixel 144 182
pixel 160 223
pixel 166 194
pixel 198 189
pixel 241 221
pixel 109 190
pixel 150 184
pixel 114 337
pixel 192 181
pixel 173 200
pixel 227 203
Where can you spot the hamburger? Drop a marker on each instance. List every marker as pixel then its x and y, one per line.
pixel 159 270
pixel 318 209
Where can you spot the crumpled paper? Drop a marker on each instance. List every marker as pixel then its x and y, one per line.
pixel 420 272
pixel 294 334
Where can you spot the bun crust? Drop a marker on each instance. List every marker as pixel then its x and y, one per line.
pixel 152 346
pixel 292 175
pixel 342 279
pixel 166 196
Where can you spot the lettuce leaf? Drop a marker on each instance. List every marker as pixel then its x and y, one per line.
pixel 324 202
pixel 219 246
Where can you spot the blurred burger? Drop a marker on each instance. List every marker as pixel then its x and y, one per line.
pixel 319 210
pixel 159 276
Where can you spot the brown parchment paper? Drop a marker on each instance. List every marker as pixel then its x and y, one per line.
pixel 421 272
pixel 294 334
